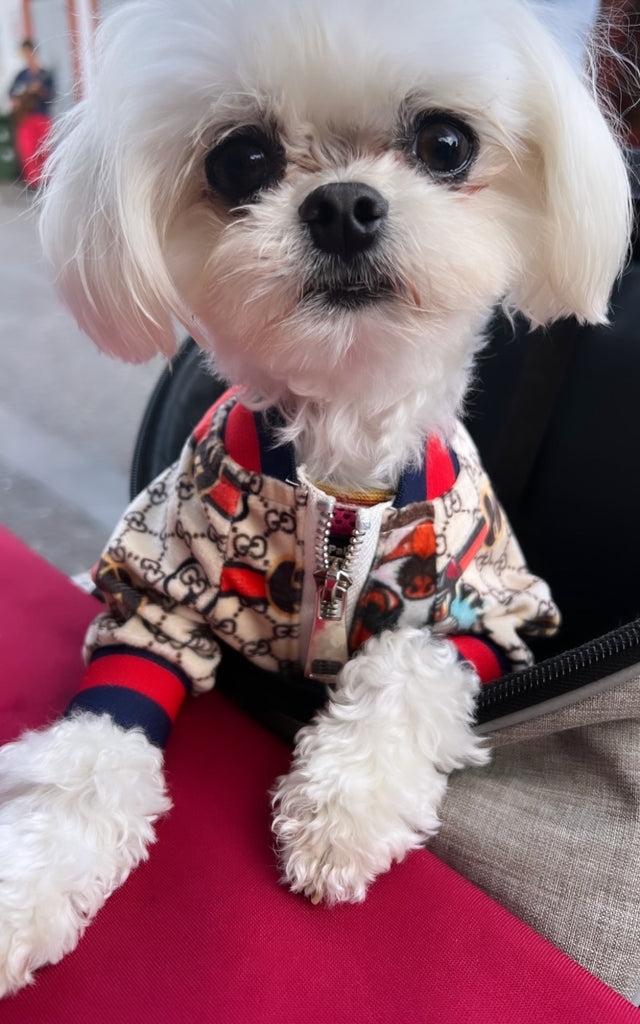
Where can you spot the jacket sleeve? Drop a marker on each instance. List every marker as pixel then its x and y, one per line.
pixel 488 594
pixel 159 576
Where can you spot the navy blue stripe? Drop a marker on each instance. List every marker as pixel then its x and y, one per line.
pixel 412 487
pixel 127 708
pixel 278 460
pixel 137 652
pixel 454 462
pixel 499 653
pixel 413 482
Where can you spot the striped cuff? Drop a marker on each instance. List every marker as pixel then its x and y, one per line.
pixel 136 688
pixel 489 660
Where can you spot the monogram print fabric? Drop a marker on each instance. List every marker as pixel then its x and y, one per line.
pixel 208 550
pixel 212 550
pixel 454 564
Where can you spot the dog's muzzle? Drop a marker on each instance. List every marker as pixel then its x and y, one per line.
pixel 345 221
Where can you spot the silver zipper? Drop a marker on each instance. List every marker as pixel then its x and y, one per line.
pixel 328 649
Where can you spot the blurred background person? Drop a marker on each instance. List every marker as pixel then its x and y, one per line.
pixel 31 94
pixel 33 81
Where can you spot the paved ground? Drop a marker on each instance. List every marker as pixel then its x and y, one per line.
pixel 68 415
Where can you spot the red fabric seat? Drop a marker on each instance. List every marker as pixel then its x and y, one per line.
pixel 203 932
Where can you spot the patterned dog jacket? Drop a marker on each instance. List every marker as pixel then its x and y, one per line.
pixel 233 543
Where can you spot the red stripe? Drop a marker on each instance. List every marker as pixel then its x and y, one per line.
pixel 135 672
pixel 441 473
pixel 467 556
pixel 481 656
pixel 241 439
pixel 204 426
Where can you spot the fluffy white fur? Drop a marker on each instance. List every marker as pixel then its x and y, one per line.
pixel 369 773
pixel 77 807
pixel 136 238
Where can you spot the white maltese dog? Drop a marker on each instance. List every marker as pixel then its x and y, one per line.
pixel 331 197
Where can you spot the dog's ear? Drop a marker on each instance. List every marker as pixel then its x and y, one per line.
pixel 577 183
pixel 100 227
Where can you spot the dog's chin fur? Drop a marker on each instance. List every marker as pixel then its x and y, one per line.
pixel 137 238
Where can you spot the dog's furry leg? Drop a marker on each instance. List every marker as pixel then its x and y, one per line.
pixel 369 773
pixel 77 806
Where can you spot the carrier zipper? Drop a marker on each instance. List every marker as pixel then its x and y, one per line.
pixel 328 648
pixel 561 675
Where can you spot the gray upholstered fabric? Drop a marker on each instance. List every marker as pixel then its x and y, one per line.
pixel 551 829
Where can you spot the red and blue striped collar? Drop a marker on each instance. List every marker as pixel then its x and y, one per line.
pixel 251 439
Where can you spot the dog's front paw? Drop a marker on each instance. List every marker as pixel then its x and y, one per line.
pixel 335 832
pixel 369 774
pixel 77 806
pixel 322 844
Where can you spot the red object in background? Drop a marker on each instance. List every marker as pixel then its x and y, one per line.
pixel 31 140
pixel 204 932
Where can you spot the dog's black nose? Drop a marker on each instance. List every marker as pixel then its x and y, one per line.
pixel 344 217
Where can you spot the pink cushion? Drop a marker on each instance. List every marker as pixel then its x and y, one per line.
pixel 204 933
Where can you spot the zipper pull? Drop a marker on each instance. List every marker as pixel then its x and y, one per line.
pixel 328 650
pixel 331 591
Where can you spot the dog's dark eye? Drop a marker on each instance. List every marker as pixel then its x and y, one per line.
pixel 244 164
pixel 445 146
